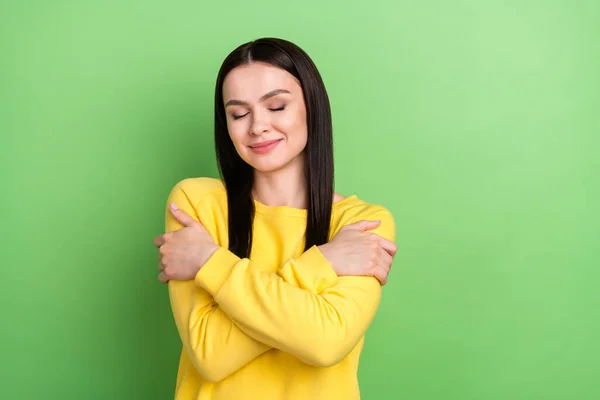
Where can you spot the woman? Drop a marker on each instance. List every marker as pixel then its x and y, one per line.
pixel 273 277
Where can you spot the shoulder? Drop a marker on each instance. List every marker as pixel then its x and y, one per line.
pixel 353 209
pixel 198 189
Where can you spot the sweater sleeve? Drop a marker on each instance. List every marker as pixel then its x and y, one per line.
pixel 320 328
pixel 214 344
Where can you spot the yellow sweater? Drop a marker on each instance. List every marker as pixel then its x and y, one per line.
pixel 281 326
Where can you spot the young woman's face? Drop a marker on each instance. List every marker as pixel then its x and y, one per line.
pixel 266 115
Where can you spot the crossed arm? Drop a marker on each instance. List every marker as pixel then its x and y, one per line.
pixel 233 311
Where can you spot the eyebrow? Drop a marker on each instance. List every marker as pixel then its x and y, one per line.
pixel 263 98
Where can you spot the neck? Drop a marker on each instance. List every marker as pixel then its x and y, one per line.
pixel 284 187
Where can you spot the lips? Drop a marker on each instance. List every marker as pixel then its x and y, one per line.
pixel 264 144
pixel 264 147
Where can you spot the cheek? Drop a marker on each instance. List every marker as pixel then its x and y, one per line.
pixel 301 136
pixel 236 134
pixel 294 127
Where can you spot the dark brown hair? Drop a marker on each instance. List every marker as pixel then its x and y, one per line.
pixel 238 176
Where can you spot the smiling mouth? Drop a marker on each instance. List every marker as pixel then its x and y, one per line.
pixel 264 144
pixel 265 147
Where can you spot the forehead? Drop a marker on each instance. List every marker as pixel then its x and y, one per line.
pixel 249 82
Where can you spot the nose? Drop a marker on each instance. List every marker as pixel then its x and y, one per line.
pixel 260 124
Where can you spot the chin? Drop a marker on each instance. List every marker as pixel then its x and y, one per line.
pixel 275 161
pixel 266 165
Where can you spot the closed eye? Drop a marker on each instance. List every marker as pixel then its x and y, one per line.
pixel 235 117
pixel 239 116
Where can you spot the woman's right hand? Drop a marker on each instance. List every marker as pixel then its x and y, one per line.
pixel 355 252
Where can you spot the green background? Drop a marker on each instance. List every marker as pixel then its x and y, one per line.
pixel 476 122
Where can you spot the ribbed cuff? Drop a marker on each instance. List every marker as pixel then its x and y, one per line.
pixel 217 269
pixel 313 261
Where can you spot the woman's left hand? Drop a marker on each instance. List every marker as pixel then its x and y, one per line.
pixel 185 251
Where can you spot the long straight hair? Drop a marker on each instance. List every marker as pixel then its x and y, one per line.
pixel 238 176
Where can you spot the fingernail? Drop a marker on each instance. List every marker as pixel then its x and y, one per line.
pixel 173 207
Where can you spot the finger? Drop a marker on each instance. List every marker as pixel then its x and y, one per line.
pixel 159 241
pixel 385 259
pixel 375 270
pixel 161 266
pixel 388 246
pixel 363 225
pixel 381 275
pixel 163 277
pixel 182 217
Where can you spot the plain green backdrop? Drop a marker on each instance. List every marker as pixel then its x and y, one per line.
pixel 475 122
